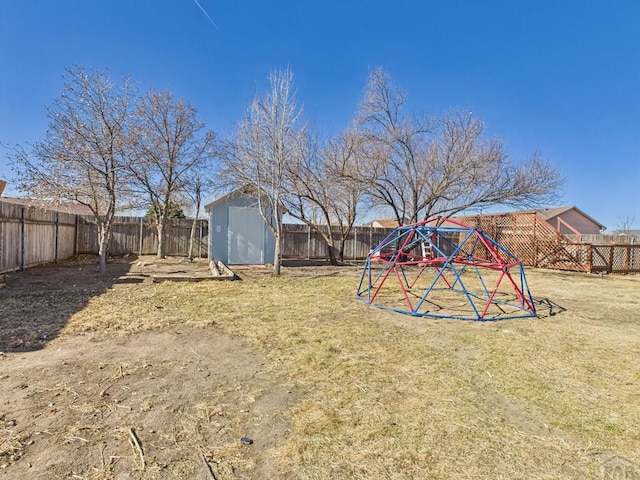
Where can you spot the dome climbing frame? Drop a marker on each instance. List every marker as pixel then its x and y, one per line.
pixel 442 268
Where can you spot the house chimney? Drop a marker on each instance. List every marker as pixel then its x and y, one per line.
pixel 2 185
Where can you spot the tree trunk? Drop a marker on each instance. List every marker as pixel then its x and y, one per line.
pixel 192 238
pixel 333 259
pixel 160 230
pixel 277 253
pixel 343 240
pixel 103 247
pixel 331 244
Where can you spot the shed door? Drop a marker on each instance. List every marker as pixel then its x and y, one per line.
pixel 246 236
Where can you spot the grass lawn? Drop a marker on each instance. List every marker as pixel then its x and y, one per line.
pixel 381 395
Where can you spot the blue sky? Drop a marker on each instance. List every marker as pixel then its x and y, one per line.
pixel 561 78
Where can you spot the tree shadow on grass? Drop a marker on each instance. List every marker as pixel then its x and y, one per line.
pixel 36 304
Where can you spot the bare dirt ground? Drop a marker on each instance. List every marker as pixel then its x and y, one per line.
pixel 161 404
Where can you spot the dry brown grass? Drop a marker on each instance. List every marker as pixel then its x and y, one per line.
pixel 389 396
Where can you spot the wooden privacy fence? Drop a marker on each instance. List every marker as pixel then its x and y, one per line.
pixel 601 238
pixel 304 242
pixel 138 235
pixel 527 236
pixel 32 236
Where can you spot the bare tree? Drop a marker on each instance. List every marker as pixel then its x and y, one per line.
pixel 196 186
pixel 421 167
pixel 267 141
pixel 169 143
pixel 81 159
pixel 323 193
pixel 625 222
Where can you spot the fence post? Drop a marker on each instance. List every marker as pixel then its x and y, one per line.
pixel 22 232
pixel 308 242
pixel 535 243
pixel 141 237
pixel 611 248
pixel 355 243
pixel 75 237
pixel 370 237
pixel 627 260
pixel 57 230
pixel 200 241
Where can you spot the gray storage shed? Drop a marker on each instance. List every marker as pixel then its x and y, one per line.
pixel 238 235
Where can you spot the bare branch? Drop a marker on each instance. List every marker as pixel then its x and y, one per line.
pixel 419 167
pixel 82 158
pixel 169 145
pixel 323 192
pixel 267 140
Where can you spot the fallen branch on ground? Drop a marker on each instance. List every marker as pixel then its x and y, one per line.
pixel 207 467
pixel 136 444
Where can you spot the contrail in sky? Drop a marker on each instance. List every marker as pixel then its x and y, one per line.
pixel 206 14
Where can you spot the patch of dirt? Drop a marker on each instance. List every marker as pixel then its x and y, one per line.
pixel 187 395
pixel 36 304
pixel 161 404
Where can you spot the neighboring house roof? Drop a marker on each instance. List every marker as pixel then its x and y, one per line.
pixel 67 207
pixel 385 223
pixel 550 213
pixel 2 185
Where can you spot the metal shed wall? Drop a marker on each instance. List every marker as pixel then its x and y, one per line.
pixel 238 234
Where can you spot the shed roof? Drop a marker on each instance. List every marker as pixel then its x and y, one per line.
pixel 224 198
pixel 247 190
